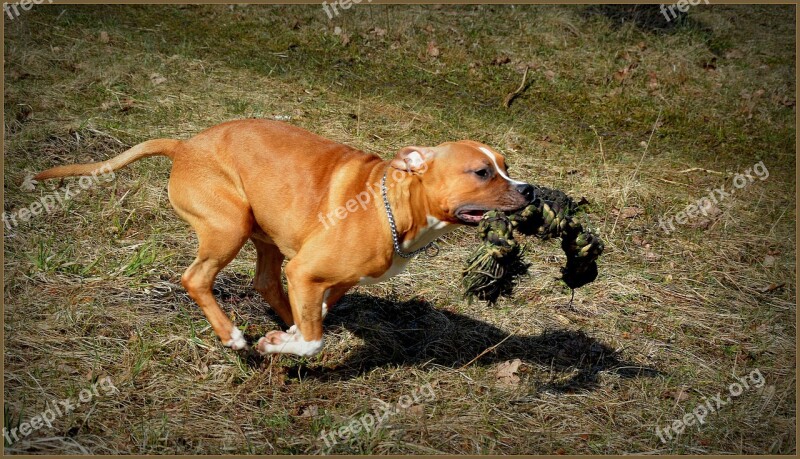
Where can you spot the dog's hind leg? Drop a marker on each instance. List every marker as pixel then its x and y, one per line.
pixel 268 280
pixel 223 224
pixel 217 247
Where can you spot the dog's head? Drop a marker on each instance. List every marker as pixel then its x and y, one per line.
pixel 463 180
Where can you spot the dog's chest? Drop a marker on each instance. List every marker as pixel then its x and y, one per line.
pixel 398 266
pixel 434 230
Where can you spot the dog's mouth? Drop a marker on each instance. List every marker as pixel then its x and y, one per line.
pixel 471 215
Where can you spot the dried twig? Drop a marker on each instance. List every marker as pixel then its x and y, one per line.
pixel 707 171
pixel 488 350
pixel 513 95
pixel 638 165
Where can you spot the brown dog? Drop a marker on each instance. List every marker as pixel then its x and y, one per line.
pixel 314 201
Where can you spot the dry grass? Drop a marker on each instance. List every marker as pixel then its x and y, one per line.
pixel 93 290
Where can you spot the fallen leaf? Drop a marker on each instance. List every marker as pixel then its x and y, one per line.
pixel 562 319
pixel 561 451
pixel 310 411
pixel 713 211
pixel 734 54
pixel 625 72
pixel 783 100
pixel 501 60
pixel 157 79
pixel 433 50
pixel 702 223
pixel 506 372
pixel 104 38
pixel 652 82
pixel 679 395
pixel 772 287
pixel 521 66
pixel 627 212
pixel 127 104
pixel 67 369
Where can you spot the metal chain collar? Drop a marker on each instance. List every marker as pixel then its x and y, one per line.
pixel 431 250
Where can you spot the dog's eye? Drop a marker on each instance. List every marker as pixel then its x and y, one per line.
pixel 482 173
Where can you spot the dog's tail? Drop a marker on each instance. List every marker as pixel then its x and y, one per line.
pixel 163 147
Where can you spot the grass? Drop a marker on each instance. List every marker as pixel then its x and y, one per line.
pixel 613 112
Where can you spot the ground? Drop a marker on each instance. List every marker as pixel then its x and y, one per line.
pixel 641 119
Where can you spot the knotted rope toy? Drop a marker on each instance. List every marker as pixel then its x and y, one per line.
pixel 494 268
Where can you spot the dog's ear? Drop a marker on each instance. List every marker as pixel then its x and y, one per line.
pixel 413 159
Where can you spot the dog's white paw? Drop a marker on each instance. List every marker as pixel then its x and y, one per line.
pixel 278 342
pixel 237 340
pixel 272 341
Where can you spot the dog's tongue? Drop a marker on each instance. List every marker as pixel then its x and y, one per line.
pixel 474 215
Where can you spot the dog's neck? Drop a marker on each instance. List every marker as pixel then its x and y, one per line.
pixel 416 221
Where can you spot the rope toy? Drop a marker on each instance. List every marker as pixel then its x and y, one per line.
pixel 494 268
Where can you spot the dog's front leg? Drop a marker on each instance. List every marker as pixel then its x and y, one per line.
pixel 306 295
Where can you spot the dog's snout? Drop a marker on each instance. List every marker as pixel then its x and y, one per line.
pixel 526 190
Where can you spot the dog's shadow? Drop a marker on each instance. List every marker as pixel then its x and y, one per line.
pixel 415 333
